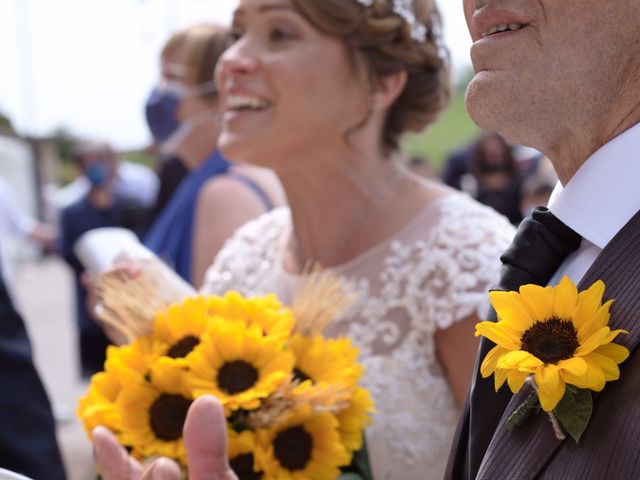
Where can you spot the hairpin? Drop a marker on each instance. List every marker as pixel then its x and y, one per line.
pixel 404 9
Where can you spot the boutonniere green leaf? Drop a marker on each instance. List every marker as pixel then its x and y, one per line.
pixel 559 340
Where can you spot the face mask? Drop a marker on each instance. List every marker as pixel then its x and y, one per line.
pixel 171 144
pixel 162 105
pixel 97 174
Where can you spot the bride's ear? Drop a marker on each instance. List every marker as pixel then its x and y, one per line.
pixel 389 88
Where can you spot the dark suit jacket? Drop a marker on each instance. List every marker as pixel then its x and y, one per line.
pixel 609 449
pixel 27 429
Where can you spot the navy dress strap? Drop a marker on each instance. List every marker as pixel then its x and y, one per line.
pixel 252 185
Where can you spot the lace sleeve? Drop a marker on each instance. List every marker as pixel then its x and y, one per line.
pixel 247 257
pixel 466 260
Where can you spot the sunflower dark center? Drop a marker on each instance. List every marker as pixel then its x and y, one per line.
pixel 242 466
pixel 237 376
pixel 167 415
pixel 292 448
pixel 183 347
pixel 300 375
pixel 552 340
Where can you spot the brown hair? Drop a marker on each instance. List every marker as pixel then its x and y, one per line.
pixel 383 40
pixel 202 45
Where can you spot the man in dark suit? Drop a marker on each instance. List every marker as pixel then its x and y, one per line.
pixel 27 429
pixel 563 76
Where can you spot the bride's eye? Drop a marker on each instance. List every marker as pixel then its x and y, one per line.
pixel 279 34
pixel 233 36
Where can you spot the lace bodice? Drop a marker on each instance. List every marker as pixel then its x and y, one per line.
pixel 432 273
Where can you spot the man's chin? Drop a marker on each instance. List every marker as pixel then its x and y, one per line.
pixel 490 102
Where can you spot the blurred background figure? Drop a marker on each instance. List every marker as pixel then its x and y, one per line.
pixel 537 186
pixel 419 164
pixel 215 197
pixel 15 221
pixel 161 123
pixel 494 178
pixel 103 205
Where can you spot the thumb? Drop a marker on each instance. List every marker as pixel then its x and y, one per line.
pixel 205 439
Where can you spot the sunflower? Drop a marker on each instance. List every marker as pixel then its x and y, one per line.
pixel 153 412
pixel 267 312
pixel 181 327
pixel 97 407
pixel 238 364
pixel 128 362
pixel 305 446
pixel 557 335
pixel 241 447
pixel 325 361
pixel 354 419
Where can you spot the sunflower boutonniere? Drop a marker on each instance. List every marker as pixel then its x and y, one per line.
pixel 558 339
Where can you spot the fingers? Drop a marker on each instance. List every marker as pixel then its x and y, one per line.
pixel 112 461
pixel 162 469
pixel 205 439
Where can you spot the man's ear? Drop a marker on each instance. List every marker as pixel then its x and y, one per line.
pixel 389 88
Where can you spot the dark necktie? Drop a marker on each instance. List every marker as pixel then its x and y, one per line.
pixel 539 247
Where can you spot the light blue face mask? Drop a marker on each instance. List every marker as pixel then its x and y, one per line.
pixel 97 174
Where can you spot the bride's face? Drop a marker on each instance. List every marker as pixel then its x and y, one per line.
pixel 285 88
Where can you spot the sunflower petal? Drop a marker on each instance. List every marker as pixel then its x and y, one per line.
pixel 615 352
pixel 489 363
pixel 511 308
pixel 565 298
pixel 603 336
pixel 576 366
pixel 550 386
pixel 519 360
pixel 516 379
pixel 498 334
pixel 539 300
pixel 599 320
pixel 589 301
pixel 499 377
pixel 608 366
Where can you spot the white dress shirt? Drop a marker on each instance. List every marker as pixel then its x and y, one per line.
pixel 602 196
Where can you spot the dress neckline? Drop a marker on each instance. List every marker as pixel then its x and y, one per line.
pixel 428 210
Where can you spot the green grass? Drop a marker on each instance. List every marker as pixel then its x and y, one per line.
pixel 453 129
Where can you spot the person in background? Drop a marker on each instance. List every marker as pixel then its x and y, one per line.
pixel 14 221
pixel 101 206
pixel 494 178
pixel 216 197
pixel 170 170
pixel 537 186
pixel 27 429
pixel 419 165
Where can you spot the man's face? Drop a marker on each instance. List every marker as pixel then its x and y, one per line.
pixel 544 65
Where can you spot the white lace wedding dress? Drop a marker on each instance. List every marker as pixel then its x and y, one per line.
pixel 432 273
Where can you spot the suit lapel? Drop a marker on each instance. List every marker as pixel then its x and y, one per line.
pixel 526 451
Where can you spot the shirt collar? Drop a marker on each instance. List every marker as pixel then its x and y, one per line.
pixel 603 194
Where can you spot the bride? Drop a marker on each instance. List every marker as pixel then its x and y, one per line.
pixel 321 93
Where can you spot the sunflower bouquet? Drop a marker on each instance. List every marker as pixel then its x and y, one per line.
pixel 291 397
pixel 558 340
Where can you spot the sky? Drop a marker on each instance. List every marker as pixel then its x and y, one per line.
pixel 88 65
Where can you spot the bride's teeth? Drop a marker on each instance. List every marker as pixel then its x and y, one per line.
pixel 244 101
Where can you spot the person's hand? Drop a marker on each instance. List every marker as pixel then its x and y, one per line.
pixel 205 438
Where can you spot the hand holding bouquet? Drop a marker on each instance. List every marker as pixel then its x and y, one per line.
pixel 291 399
